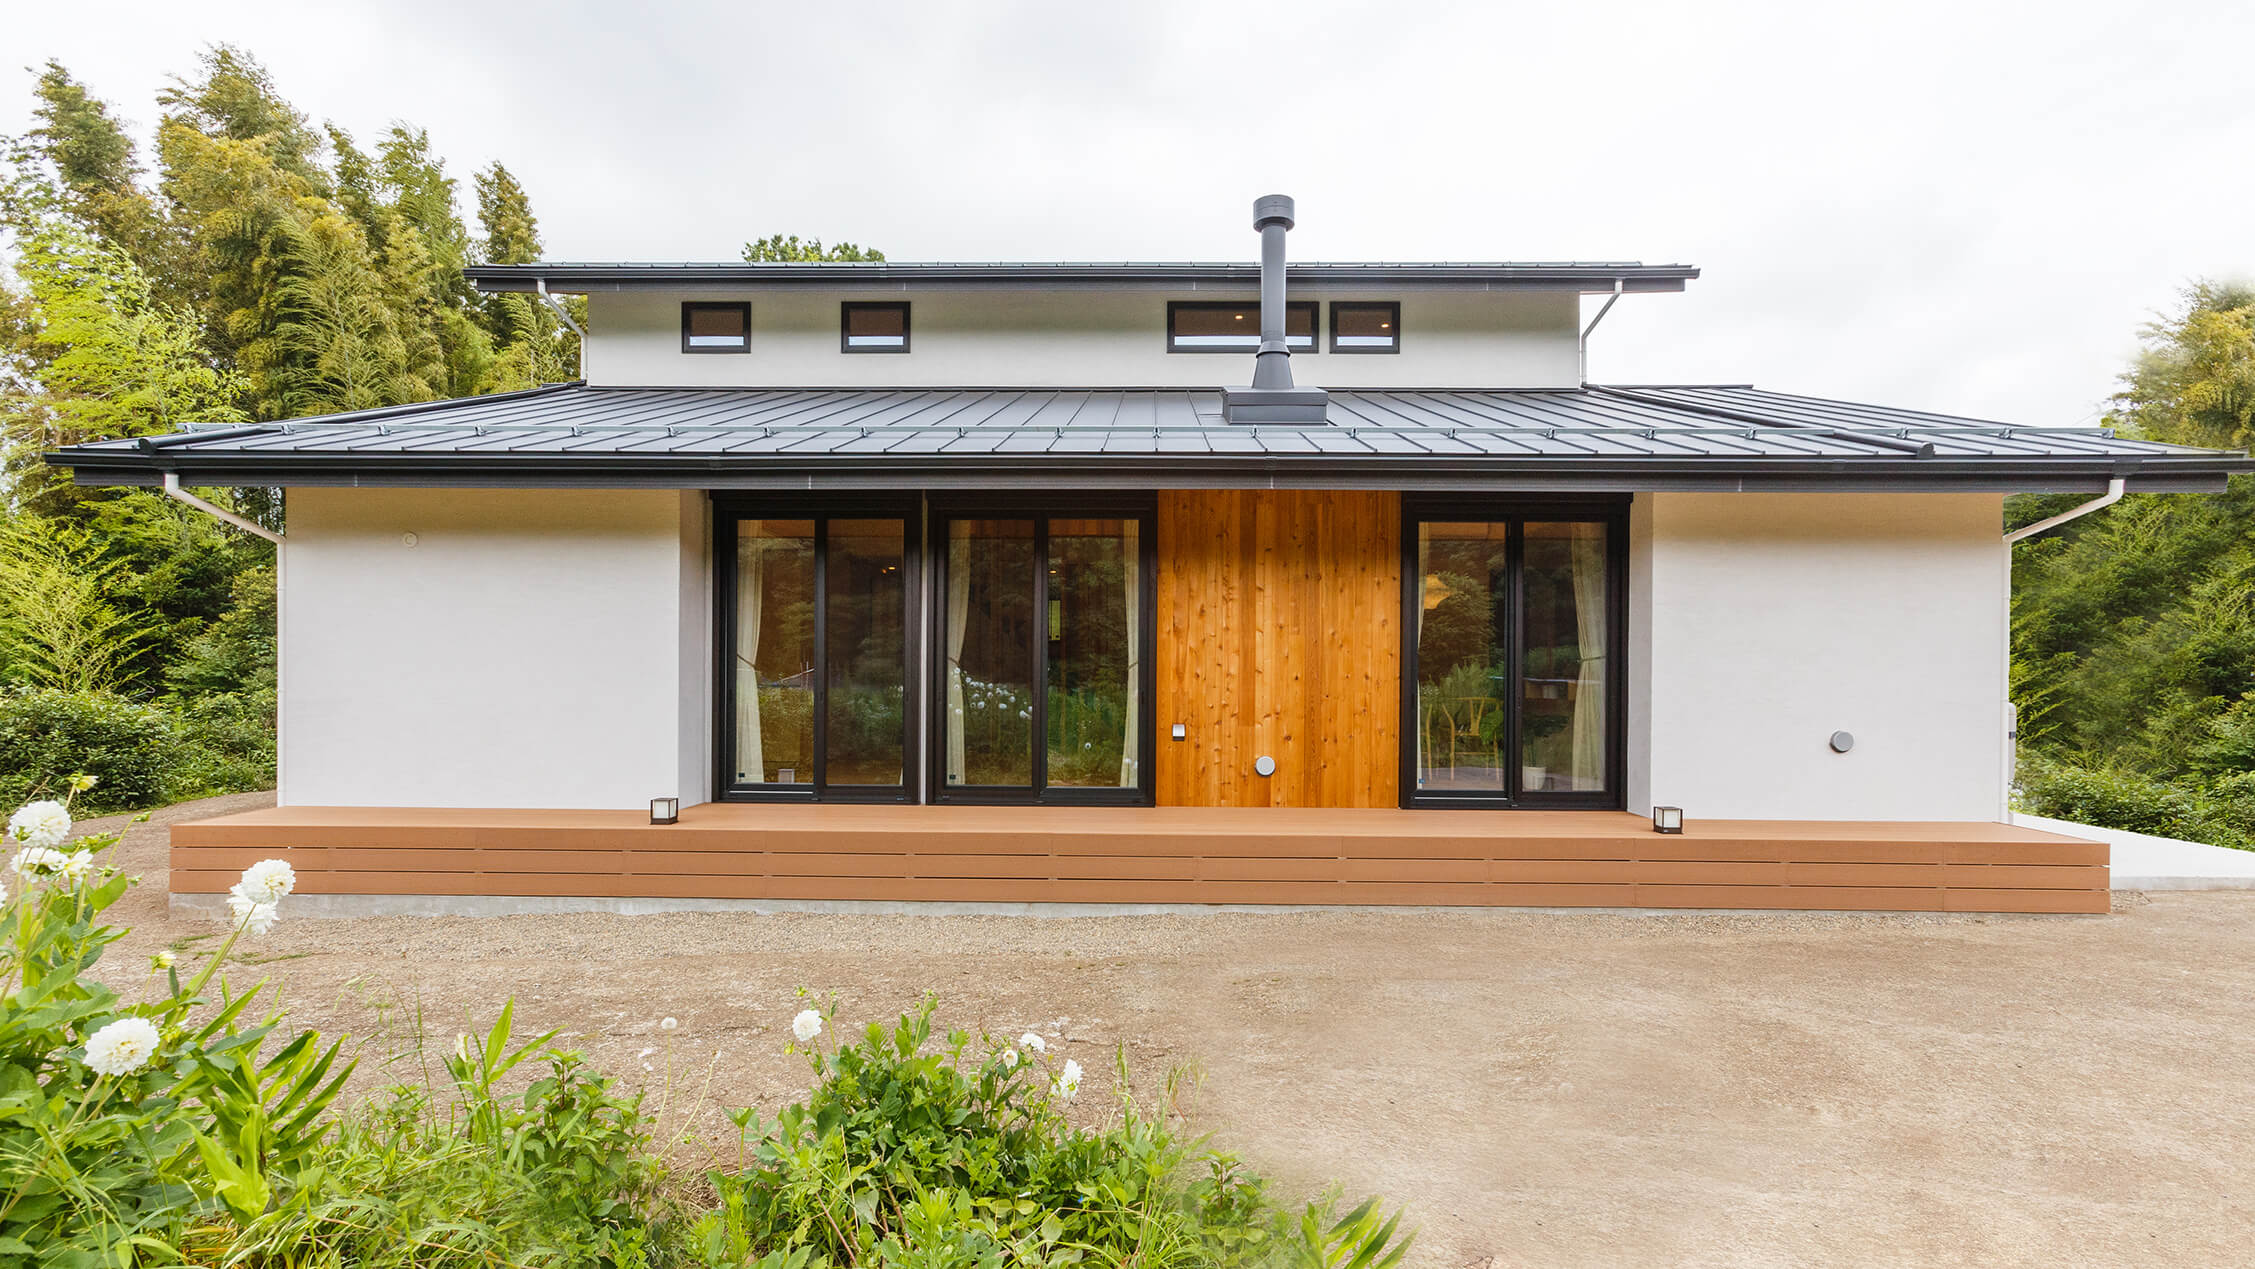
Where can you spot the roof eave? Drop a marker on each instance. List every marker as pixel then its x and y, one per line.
pixel 2183 474
pixel 583 279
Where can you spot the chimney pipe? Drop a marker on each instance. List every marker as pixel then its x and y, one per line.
pixel 1272 398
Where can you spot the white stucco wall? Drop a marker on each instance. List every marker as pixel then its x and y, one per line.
pixel 1078 338
pixel 1762 623
pixel 532 648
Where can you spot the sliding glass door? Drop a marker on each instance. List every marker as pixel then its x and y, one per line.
pixel 1513 627
pixel 815 622
pixel 1042 663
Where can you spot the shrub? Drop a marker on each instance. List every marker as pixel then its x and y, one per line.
pixel 121 1125
pixel 226 744
pixel 47 735
pixel 2219 812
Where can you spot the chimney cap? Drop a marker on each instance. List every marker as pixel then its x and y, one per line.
pixel 1271 209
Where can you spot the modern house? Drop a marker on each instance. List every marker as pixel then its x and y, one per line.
pixel 1139 584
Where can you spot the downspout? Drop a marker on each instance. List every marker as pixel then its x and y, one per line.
pixel 1581 347
pixel 2114 490
pixel 173 491
pixel 540 284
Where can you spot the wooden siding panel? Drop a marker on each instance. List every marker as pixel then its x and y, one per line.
pixel 1154 855
pixel 1278 613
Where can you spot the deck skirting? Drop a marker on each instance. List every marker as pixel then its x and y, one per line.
pixel 1141 856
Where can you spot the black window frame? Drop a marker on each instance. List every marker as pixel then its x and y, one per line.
pixel 728 512
pixel 846 310
pixel 741 306
pixel 1517 510
pixel 1314 309
pixel 1041 509
pixel 1394 309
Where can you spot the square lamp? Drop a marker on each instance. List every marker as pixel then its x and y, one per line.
pixel 1667 819
pixel 665 810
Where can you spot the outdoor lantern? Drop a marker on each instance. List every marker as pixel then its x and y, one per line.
pixel 665 810
pixel 1667 819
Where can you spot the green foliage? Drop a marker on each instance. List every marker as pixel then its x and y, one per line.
pixel 911 1154
pixel 58 626
pixel 45 736
pixel 2194 381
pixel 778 249
pixel 106 1162
pixel 2134 630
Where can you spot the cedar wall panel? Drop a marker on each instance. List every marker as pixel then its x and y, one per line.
pixel 1279 633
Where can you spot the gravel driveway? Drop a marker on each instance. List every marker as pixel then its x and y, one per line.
pixel 1540 1089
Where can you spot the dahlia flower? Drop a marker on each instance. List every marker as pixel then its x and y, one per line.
pixel 40 824
pixel 806 1026
pixel 122 1047
pixel 268 881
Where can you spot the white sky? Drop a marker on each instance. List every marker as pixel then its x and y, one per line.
pixel 1966 206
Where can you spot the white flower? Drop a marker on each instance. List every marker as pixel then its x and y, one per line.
pixel 1034 1042
pixel 76 867
pixel 806 1026
pixel 163 959
pixel 123 1047
pixel 40 824
pixel 667 1024
pixel 250 914
pixel 1009 1059
pixel 268 881
pixel 1069 1080
pixel 35 862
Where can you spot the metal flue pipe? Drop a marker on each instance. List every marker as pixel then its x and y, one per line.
pixel 1272 365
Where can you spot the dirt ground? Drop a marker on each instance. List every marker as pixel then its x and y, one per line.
pixel 1539 1089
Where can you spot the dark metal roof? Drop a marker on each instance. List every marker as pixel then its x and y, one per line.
pixel 570 276
pixel 1588 438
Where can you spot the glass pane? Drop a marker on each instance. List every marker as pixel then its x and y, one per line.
pixel 775 652
pixel 1364 326
pixel 1095 653
pixel 717 325
pixel 1237 327
pixel 990 652
pixel 877 326
pixel 1462 679
pixel 863 592
pixel 1563 689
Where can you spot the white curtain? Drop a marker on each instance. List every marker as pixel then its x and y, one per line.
pixel 1590 634
pixel 751 577
pixel 958 620
pixel 1417 640
pixel 1130 744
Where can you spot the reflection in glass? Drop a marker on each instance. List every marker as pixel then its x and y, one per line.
pixel 1095 654
pixel 1461 656
pixel 775 652
pixel 863 593
pixel 990 652
pixel 1563 687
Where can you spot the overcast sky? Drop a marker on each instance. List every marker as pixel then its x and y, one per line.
pixel 1961 206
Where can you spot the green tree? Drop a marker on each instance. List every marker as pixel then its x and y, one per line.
pixel 778 249
pixel 2194 381
pixel 532 346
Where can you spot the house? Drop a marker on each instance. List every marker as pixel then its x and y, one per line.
pixel 1139 584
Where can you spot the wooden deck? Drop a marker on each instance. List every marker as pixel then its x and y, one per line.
pixel 1154 855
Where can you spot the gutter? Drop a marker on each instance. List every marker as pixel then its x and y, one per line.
pixel 173 491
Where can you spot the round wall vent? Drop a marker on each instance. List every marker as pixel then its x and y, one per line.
pixel 1264 765
pixel 1842 742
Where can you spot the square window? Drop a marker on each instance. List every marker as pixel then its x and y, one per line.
pixel 1363 327
pixel 1199 326
pixel 879 328
pixel 716 328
